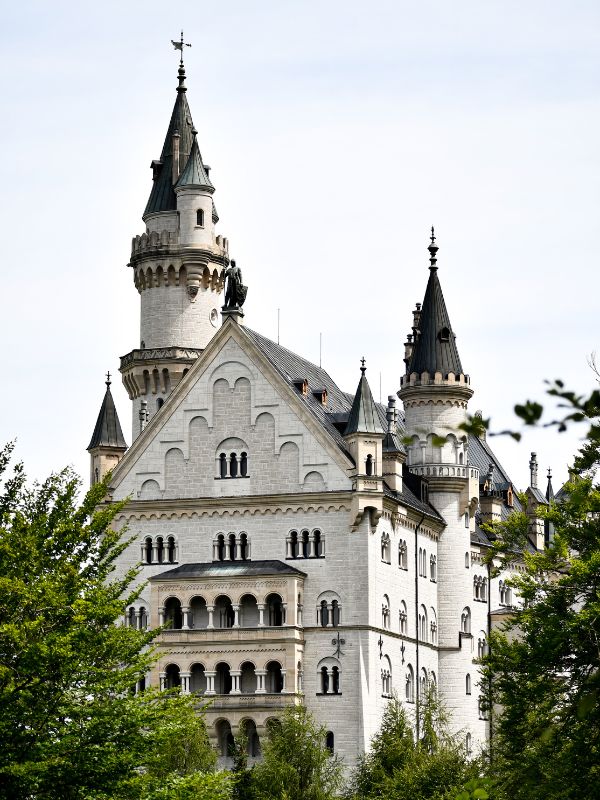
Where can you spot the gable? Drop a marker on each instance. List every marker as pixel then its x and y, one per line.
pixel 232 427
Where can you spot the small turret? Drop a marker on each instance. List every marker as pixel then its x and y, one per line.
pixel 364 437
pixel 107 445
pixel 535 499
pixel 393 452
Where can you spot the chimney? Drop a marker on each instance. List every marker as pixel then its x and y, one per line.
pixel 533 471
pixel 175 157
pixel 143 414
pixel 390 414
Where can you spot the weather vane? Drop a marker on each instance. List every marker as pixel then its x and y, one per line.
pixel 180 45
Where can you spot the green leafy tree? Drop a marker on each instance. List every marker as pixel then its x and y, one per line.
pixel 70 726
pixel 296 764
pixel 398 767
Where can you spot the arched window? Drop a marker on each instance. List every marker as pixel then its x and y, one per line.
pixel 274 678
pixel 305 544
pixel 248 611
pixel 433 568
pixel 385 548
pixel 244 465
pixel 148 550
pixel 198 613
pixel 225 738
pixel 324 680
pixel 171 550
pixel 223 465
pixel 483 592
pixel 275 612
pixel 402 554
pixel 467 684
pixel 433 625
pixel 467 561
pixel 385 612
pixel 221 547
pixel 461 458
pixel 329 675
pixel 160 550
pixel 318 543
pixel 335 680
pixel 222 678
pixel 173 615
pixel 335 613
pixel 324 613
pixel 369 465
pixel 329 741
pixel 410 685
pixel 294 544
pixel 233 466
pixel 172 677
pixel 200 218
pixel 252 739
pixel 423 624
pixel 423 683
pixel 476 587
pixel 403 618
pixel 248 682
pixel 224 615
pixel 466 519
pixel 231 546
pixel 386 677
pixel 465 621
pixel 244 547
pixel 197 679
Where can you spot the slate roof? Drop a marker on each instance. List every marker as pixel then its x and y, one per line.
pixel 230 569
pixel 107 432
pixel 431 353
pixel 538 495
pixel 363 414
pixel 162 197
pixel 408 498
pixel 194 173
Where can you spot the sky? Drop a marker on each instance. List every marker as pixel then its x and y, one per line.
pixel 337 134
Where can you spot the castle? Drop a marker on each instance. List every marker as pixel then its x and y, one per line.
pixel 302 544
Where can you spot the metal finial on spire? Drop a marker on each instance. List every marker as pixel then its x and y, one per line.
pixel 108 381
pixel 433 248
pixel 179 46
pixel 363 369
pixel 549 473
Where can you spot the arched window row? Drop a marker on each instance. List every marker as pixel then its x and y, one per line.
pixel 226 740
pixel 137 617
pixel 222 613
pixel 385 612
pixel 160 550
pixel 305 544
pixel 329 613
pixel 422 562
pixel 224 680
pixel 329 676
pixel 386 550
pixel 233 465
pixel 465 621
pixel 403 618
pixel 231 547
pixel 433 568
pixel 482 648
pixel 402 554
pixel 505 594
pixel 480 586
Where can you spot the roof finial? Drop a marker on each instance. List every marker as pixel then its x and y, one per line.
pixel 181 72
pixel 363 369
pixel 108 381
pixel 433 248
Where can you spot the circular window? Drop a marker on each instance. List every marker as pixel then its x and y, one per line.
pixel 214 317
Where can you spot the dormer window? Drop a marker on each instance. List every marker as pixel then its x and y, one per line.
pixel 445 334
pixel 200 218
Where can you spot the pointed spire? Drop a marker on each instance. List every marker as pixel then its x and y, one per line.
pixel 363 414
pixel 195 173
pixel 162 197
pixel 107 432
pixel 435 348
pixel 549 488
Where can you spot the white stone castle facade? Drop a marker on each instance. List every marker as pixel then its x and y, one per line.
pixel 303 545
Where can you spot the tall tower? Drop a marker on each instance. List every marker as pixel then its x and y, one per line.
pixel 435 392
pixel 177 267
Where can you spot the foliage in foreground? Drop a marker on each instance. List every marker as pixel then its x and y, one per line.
pixel 70 726
pixel 296 764
pixel 398 767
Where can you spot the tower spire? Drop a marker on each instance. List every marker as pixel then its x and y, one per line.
pixel 433 248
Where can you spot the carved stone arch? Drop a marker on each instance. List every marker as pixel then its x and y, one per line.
pixel 149 278
pixel 149 490
pixel 205 278
pixel 160 276
pixel 225 370
pixel 313 481
pixel 171 276
pixel 182 280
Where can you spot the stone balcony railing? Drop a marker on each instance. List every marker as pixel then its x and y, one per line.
pixel 210 636
pixel 262 701
pixel 444 471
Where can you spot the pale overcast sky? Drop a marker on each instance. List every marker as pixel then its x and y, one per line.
pixel 337 133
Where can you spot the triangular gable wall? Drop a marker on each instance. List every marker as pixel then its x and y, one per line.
pixel 231 401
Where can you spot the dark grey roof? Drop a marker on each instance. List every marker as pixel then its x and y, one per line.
pixel 162 197
pixel 392 443
pixel 230 569
pixel 293 369
pixel 194 173
pixel 549 489
pixel 107 432
pixel 435 347
pixel 363 414
pixel 538 495
pixel 408 498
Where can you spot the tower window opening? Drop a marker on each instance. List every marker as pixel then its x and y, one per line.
pixel 233 465
pixel 329 741
pixel 244 465
pixel 200 218
pixel 369 465
pixel 159 403
pixel 445 335
pixel 223 465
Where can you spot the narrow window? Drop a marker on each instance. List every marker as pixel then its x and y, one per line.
pixel 369 465
pixel 329 741
pixel 294 538
pixel 244 465
pixel 335 680
pixel 318 544
pixel 335 613
pixel 221 547
pixel 305 544
pixel 159 403
pixel 244 547
pixel 466 519
pixel 171 550
pixel 160 549
pixel 324 613
pixel 233 466
pixel 223 465
pixel 468 684
pixel 232 547
pixel 324 680
pixel 200 218
pixel 148 550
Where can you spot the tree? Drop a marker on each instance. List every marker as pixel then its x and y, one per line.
pixel 397 767
pixel 70 725
pixel 296 763
pixel 543 668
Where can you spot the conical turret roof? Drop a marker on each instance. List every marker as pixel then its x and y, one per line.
pixel 363 414
pixel 162 197
pixel 195 173
pixel 107 432
pixel 435 347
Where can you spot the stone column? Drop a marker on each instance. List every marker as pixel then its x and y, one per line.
pixel 154 552
pixel 283 686
pixel 236 616
pixel 185 619
pixel 210 610
pixel 235 678
pixel 238 549
pixel 210 681
pixel 299 681
pixel 176 553
pixel 299 614
pixel 261 675
pixel 162 677
pixel 329 615
pixel 161 615
pixel 284 613
pixel 311 546
pixel 185 682
pixel 143 552
pixel 288 548
pixel 215 551
pixel 138 617
pixel 261 615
